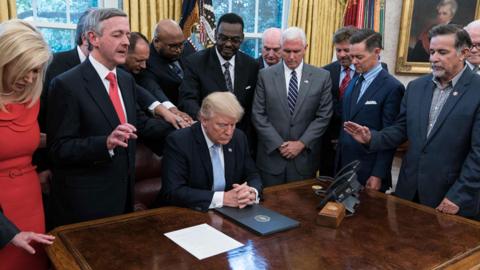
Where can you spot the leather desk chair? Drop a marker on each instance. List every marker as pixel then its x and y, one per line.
pixel 148 181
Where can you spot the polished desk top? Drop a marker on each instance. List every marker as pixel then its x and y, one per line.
pixel 385 233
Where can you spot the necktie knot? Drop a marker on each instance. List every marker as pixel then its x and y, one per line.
pixel 226 65
pixel 111 77
pixel 294 73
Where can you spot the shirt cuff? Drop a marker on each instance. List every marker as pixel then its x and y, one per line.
pixel 217 200
pixel 111 153
pixel 257 199
pixel 168 104
pixel 152 107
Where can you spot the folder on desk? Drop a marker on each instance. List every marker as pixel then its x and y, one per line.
pixel 259 219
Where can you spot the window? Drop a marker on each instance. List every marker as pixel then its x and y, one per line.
pixel 257 15
pixel 57 19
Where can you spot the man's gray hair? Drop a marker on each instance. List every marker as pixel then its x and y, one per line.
pixel 223 103
pixel 293 33
pixel 94 20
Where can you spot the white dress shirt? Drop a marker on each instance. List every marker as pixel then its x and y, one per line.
pixel 288 75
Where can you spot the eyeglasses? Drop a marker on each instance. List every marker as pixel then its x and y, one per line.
pixel 235 40
pixel 476 46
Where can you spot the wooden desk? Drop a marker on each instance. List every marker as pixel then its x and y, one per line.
pixel 385 233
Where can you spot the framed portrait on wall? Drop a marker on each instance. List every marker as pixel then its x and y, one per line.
pixel 418 17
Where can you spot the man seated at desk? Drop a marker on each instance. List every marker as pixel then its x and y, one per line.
pixel 208 165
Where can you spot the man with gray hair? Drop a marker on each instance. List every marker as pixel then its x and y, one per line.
pixel 271 47
pixel 92 126
pixel 208 165
pixel 291 110
pixel 473 59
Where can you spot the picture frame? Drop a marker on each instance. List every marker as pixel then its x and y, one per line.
pixel 419 16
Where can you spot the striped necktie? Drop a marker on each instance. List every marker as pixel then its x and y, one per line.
pixel 292 92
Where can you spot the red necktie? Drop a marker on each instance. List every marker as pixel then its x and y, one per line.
pixel 115 97
pixel 344 83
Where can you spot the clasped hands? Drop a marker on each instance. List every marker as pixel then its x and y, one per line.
pixel 291 149
pixel 240 196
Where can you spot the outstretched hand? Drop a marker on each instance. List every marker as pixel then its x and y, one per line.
pixel 359 133
pixel 23 239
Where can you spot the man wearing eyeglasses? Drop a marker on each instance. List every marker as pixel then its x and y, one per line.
pixel 271 48
pixel 164 68
pixel 221 68
pixel 473 60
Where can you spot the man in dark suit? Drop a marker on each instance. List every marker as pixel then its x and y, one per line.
pixel 208 165
pixel 271 48
pixel 291 111
pixel 9 233
pixel 164 71
pixel 440 117
pixel 373 100
pixel 92 124
pixel 473 60
pixel 137 56
pixel 221 68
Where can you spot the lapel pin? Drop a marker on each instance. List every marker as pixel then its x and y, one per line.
pixel 229 149
pixel 455 93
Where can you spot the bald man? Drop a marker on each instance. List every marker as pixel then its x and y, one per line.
pixel 473 60
pixel 271 49
pixel 164 70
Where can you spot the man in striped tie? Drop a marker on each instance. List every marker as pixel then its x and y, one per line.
pixel 291 110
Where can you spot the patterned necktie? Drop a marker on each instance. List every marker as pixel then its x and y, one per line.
pixel 356 89
pixel 177 69
pixel 115 97
pixel 218 170
pixel 344 83
pixel 228 78
pixel 292 92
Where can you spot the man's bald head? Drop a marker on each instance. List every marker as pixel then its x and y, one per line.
pixel 168 39
pixel 271 49
pixel 473 30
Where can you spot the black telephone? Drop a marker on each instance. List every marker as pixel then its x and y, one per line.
pixel 344 188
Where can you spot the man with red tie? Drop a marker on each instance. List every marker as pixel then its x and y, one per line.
pixel 92 126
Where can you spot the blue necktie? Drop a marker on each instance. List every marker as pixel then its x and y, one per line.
pixel 176 68
pixel 228 78
pixel 218 171
pixel 292 92
pixel 357 89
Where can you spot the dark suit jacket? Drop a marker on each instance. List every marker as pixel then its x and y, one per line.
pixel 187 172
pixel 447 163
pixel 203 75
pixel 7 230
pixel 260 62
pixel 159 78
pixel 378 108
pixel 87 182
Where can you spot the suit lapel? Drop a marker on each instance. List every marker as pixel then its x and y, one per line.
pixel 425 104
pixel 238 83
pixel 347 99
pixel 204 152
pixel 229 160
pixel 304 89
pixel 97 91
pixel 127 96
pixel 457 93
pixel 217 72
pixel 369 93
pixel 281 88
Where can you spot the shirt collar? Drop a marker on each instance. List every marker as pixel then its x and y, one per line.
pixel 100 68
pixel 470 65
pixel 209 142
pixel 223 61
pixel 298 70
pixel 453 82
pixel 352 67
pixel 371 72
pixel 81 55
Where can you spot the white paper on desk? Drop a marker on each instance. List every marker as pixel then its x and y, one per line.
pixel 203 241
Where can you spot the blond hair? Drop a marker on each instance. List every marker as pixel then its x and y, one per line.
pixel 22 49
pixel 224 103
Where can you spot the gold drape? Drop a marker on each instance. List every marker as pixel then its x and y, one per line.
pixel 319 19
pixel 145 14
pixel 8 10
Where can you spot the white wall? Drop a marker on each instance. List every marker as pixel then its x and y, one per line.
pixel 393 11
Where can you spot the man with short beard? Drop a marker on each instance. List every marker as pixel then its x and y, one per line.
pixel 440 118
